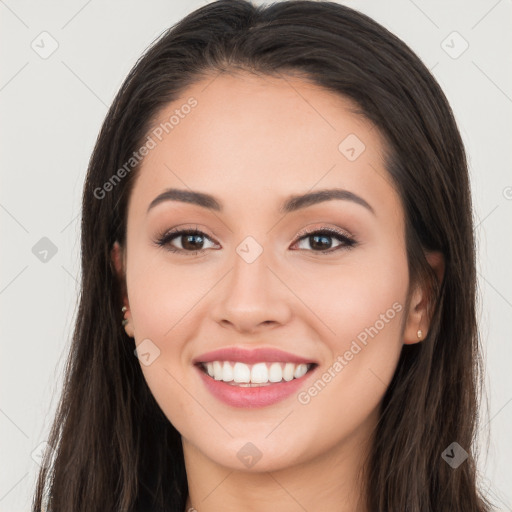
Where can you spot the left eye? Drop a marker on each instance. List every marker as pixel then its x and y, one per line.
pixel 321 239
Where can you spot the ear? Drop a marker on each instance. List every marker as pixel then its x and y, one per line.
pixel 118 262
pixel 418 316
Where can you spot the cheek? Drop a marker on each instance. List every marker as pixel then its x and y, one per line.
pixel 351 384
pixel 162 294
pixel 162 300
pixel 165 301
pixel 361 305
pixel 367 288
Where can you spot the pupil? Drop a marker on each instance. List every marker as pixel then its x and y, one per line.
pixel 188 239
pixel 318 245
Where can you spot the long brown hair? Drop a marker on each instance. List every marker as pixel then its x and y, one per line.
pixel 114 448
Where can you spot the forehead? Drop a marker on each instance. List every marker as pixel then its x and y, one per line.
pixel 261 136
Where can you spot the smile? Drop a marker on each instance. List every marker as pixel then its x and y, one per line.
pixel 261 384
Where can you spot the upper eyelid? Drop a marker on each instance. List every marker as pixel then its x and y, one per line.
pixel 304 233
pixel 333 231
pixel 180 231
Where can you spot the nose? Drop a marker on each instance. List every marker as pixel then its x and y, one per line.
pixel 252 297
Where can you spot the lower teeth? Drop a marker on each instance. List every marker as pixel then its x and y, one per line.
pixel 250 384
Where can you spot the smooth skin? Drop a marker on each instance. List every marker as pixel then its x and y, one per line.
pixel 251 142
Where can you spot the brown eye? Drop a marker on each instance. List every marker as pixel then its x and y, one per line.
pixel 321 240
pixel 188 241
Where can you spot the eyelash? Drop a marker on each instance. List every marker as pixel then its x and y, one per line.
pixel 347 242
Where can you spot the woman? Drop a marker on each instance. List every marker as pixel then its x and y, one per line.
pixel 277 307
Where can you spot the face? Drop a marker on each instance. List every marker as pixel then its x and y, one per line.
pixel 325 281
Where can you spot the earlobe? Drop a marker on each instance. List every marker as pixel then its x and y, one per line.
pixel 418 317
pixel 126 322
pixel 117 264
pixel 415 330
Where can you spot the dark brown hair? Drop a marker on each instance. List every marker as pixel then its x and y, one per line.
pixel 114 448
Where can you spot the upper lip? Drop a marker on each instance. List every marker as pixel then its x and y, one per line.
pixel 250 356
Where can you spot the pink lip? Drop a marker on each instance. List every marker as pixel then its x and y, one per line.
pixel 257 355
pixel 248 397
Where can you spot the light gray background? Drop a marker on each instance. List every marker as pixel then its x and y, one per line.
pixel 51 112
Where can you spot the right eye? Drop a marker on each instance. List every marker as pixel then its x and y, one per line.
pixel 190 241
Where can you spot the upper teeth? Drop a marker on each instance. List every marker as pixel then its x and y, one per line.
pixel 258 373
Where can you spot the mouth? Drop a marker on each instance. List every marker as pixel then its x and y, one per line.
pixel 260 374
pixel 254 378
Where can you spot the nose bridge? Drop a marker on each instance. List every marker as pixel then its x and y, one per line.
pixel 252 295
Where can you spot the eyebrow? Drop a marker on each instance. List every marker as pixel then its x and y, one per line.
pixel 291 204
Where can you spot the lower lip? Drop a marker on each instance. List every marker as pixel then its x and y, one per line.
pixel 251 397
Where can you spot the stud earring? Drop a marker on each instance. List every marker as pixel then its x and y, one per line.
pixel 420 334
pixel 125 321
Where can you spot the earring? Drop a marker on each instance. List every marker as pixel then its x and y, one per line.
pixel 125 321
pixel 420 334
